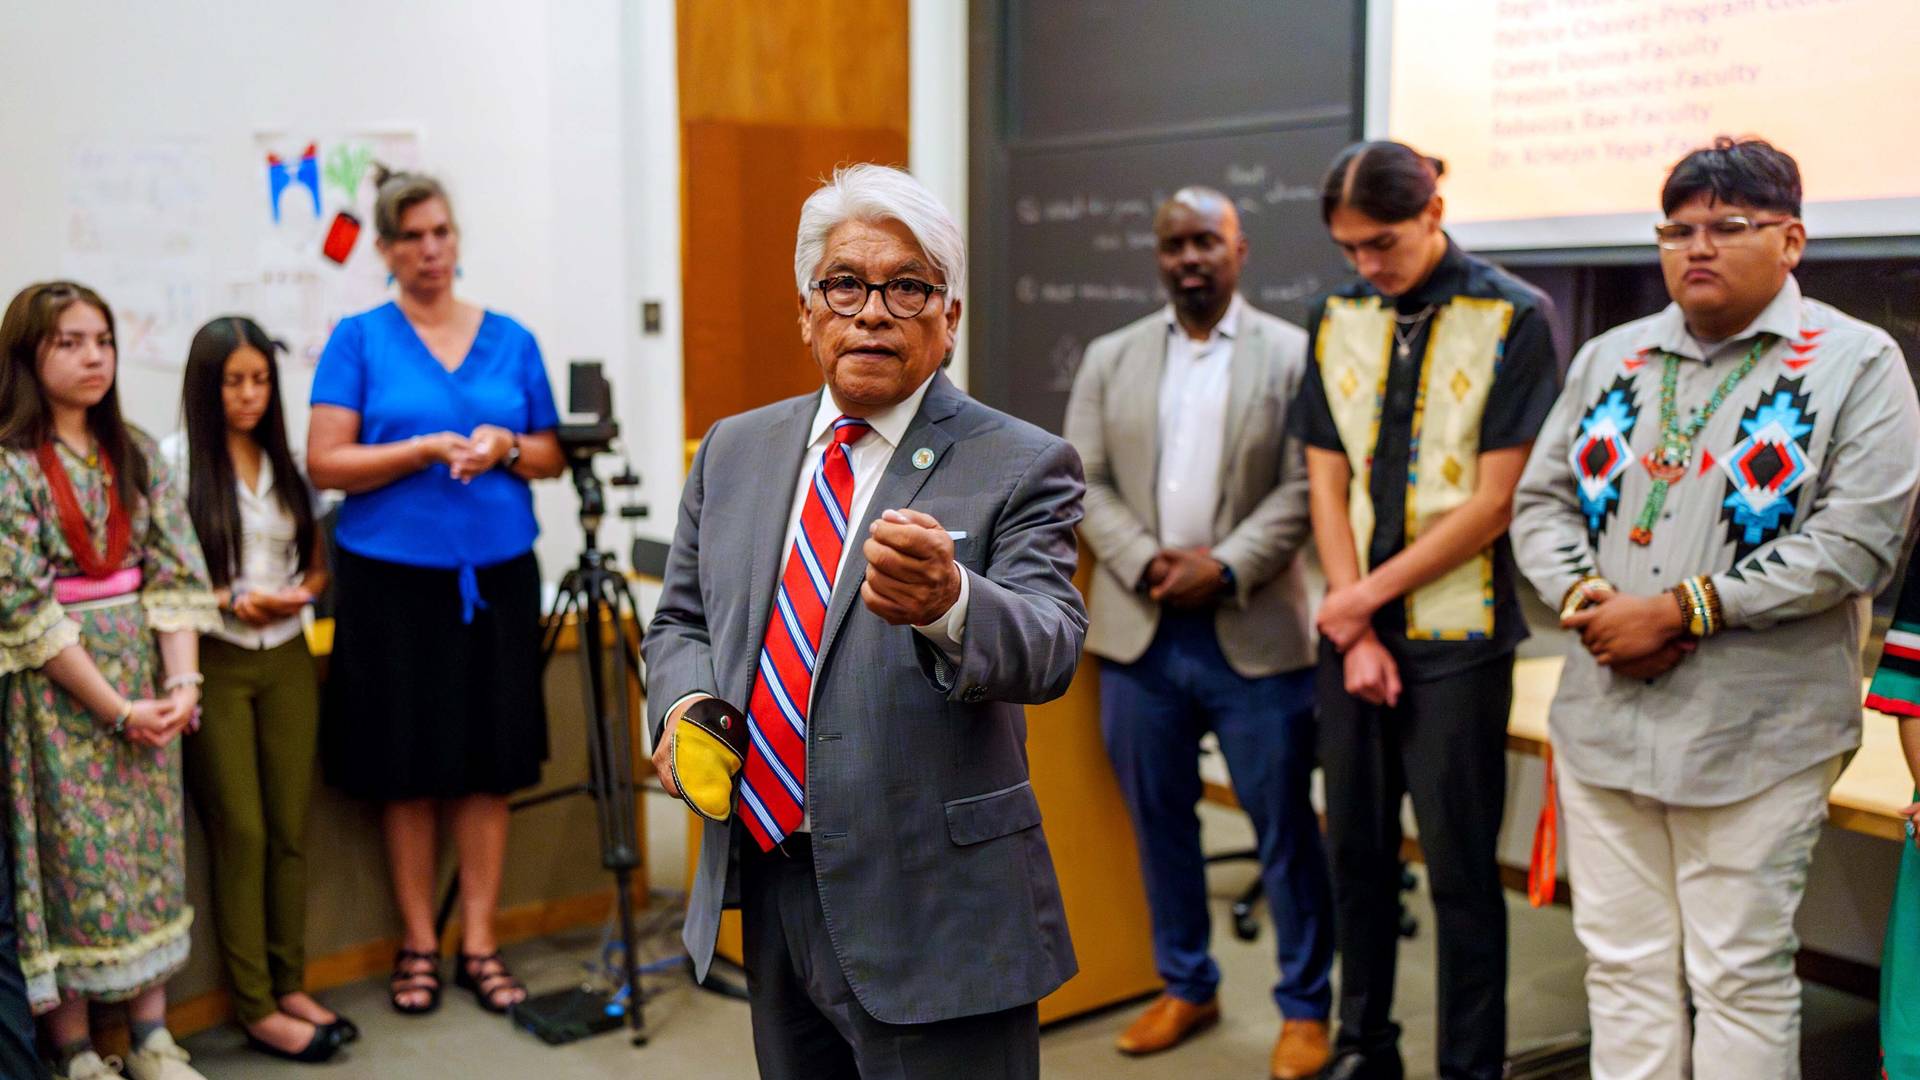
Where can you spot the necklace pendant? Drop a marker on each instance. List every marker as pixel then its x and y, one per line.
pixel 1663 469
pixel 1668 461
pixel 1401 348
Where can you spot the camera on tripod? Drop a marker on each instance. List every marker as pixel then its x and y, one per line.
pixel 589 395
pixel 592 596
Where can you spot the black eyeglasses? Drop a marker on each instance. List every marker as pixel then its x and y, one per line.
pixel 904 297
pixel 1730 231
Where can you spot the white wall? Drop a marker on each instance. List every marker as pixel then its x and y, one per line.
pixel 650 386
pixel 937 119
pixel 555 126
pixel 530 112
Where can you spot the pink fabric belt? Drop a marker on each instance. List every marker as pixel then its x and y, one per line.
pixel 81 590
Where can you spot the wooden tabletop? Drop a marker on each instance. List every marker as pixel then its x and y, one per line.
pixel 1867 799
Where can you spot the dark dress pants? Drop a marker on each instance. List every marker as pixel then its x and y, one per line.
pixel 1152 715
pixel 1445 745
pixel 807 1025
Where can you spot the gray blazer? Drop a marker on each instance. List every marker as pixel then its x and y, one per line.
pixel 935 878
pixel 1113 419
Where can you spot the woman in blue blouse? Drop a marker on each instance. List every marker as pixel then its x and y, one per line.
pixel 432 414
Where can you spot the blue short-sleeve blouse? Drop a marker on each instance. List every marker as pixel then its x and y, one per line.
pixel 377 366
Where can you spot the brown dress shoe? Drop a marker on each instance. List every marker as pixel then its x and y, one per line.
pixel 1166 1023
pixel 1301 1051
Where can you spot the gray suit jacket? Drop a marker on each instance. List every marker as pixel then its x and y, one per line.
pixel 935 878
pixel 1113 419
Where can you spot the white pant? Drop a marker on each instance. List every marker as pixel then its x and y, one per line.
pixel 1669 900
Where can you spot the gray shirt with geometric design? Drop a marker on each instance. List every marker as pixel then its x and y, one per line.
pixel 1795 502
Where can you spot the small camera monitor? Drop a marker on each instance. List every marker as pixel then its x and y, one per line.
pixel 589 427
pixel 588 394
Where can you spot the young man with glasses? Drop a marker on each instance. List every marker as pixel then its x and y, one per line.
pixel 1715 496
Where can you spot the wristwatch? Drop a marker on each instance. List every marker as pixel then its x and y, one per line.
pixel 513 452
pixel 1227 580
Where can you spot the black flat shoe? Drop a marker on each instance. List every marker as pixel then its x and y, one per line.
pixel 1352 1065
pixel 343 1030
pixel 324 1044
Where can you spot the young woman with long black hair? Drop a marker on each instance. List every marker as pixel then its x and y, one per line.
pixel 250 768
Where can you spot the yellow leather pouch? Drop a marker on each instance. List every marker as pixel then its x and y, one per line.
pixel 709 750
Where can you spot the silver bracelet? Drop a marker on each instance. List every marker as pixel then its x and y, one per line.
pixel 185 678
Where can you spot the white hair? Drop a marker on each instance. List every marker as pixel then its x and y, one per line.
pixel 879 193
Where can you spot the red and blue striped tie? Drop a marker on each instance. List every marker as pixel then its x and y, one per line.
pixel 774 797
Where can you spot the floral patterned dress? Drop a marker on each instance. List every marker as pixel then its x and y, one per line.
pixel 96 821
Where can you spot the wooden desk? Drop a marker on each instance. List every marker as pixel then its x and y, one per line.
pixel 1867 799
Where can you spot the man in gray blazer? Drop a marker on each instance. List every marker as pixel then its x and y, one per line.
pixel 1196 509
pixel 879 575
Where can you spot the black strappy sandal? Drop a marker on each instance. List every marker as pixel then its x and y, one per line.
pixel 407 980
pixel 488 978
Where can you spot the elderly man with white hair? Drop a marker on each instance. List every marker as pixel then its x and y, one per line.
pixel 866 585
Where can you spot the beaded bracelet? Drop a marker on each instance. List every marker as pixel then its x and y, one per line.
pixel 120 721
pixel 1689 610
pixel 1700 606
pixel 1716 616
pixel 1577 596
pixel 185 678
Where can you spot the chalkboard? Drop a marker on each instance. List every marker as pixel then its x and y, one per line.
pixel 1080 258
pixel 1096 67
pixel 1876 290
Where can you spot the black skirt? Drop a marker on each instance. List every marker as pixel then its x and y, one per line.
pixel 419 704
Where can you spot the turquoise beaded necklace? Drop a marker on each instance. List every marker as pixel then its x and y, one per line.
pixel 1669 460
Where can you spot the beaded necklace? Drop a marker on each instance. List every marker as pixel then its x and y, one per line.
pixel 1668 461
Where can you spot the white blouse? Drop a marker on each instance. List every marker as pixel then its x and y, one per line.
pixel 269 550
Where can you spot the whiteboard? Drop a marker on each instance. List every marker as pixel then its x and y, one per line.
pixel 525 111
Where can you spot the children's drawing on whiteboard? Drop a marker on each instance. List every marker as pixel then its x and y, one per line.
pixel 347 165
pixel 305 174
pixel 315 262
pixel 138 214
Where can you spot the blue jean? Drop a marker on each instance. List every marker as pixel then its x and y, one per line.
pixel 1152 714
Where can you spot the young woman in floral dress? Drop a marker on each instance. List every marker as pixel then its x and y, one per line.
pixel 103 593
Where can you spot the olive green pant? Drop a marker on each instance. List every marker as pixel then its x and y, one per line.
pixel 250 769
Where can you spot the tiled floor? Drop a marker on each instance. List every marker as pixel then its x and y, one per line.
pixel 701 1035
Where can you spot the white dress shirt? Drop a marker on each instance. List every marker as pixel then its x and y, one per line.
pixel 269 550
pixel 871 454
pixel 1193 421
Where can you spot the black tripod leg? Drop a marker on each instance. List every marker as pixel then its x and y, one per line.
pixel 625 602
pixel 595 593
pixel 713 983
pixel 611 759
